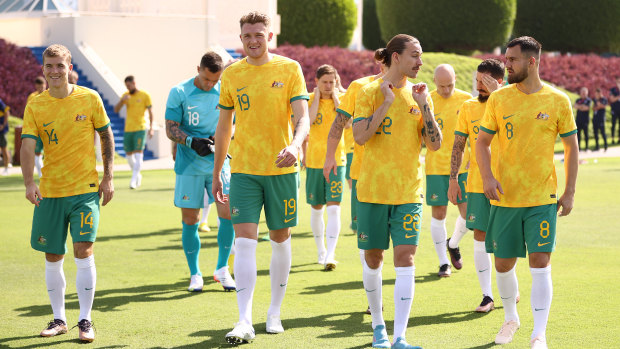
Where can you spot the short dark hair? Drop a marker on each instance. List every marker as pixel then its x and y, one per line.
pixel 255 17
pixel 492 66
pixel 39 80
pixel 396 44
pixel 528 45
pixel 129 78
pixel 212 61
pixel 324 70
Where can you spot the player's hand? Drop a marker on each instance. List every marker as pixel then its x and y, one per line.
pixel 386 89
pixel 420 93
pixel 203 146
pixel 288 156
pixel 565 204
pixel 125 98
pixel 151 133
pixel 454 191
pixel 329 166
pixel 218 191
pixel 106 189
pixel 491 187
pixel 490 83
pixel 33 194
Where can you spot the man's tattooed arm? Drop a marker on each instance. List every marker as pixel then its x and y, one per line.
pixel 174 133
pixel 432 134
pixel 457 155
pixel 107 151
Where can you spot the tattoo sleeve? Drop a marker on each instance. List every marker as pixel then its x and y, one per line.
pixel 338 125
pixel 432 135
pixel 457 155
pixel 107 150
pixel 174 133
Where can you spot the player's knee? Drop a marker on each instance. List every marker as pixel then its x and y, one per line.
pixel 373 258
pixel 280 235
pixel 479 235
pixel 82 249
pixel 52 257
pixel 504 265
pixel 540 259
pixel 439 212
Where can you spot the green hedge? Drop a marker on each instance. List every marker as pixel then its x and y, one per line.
pixel 317 22
pixel 449 25
pixel 571 25
pixel 371 33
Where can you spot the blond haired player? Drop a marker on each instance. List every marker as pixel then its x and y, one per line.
pixel 392 116
pixel 134 138
pixel 65 118
pixel 263 89
pixel 526 117
pixel 446 101
pixel 320 190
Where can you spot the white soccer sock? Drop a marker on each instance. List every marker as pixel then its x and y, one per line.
pixel 459 231
pixel 38 163
pixel 362 257
pixel 130 161
pixel 333 231
pixel 205 210
pixel 439 234
pixel 482 260
pixel 542 293
pixel 507 287
pixel 372 284
pixel 137 163
pixel 85 281
pixel 279 270
pixel 56 285
pixel 245 277
pixel 404 289
pixel 318 227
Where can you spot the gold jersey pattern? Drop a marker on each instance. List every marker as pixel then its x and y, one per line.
pixel 317 139
pixel 32 95
pixel 527 127
pixel 137 104
pixel 261 97
pixel 391 172
pixel 446 115
pixel 67 128
pixel 349 141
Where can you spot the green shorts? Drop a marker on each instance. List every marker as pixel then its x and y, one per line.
pixel 478 209
pixel 318 191
pixel 38 148
pixel 134 141
pixel 437 189
pixel 80 213
pixel 377 223
pixel 3 141
pixel 248 194
pixel 354 203
pixel 347 174
pixel 513 229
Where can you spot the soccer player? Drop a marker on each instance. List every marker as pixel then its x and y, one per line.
pixel 526 118
pixel 191 119
pixel 598 119
pixel 582 104
pixel 319 190
pixel 489 77
pixel 73 77
pixel 137 102
pixel 66 118
pixel 39 84
pixel 614 100
pixel 391 117
pixel 263 89
pixel 4 129
pixel 446 100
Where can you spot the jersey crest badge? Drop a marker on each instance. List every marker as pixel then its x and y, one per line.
pixel 80 117
pixel 363 237
pixel 234 212
pixel 414 111
pixel 277 84
pixel 185 198
pixel 542 116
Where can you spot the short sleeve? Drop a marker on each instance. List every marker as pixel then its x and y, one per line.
pixel 147 100
pixel 29 129
pixel 461 124
pixel 100 117
pixel 174 106
pixel 226 99
pixel 489 120
pixel 347 103
pixel 566 120
pixel 298 86
pixel 364 107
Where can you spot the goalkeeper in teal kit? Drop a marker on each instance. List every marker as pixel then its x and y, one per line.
pixel 191 118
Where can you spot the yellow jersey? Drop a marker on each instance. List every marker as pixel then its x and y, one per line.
pixel 391 172
pixel 31 96
pixel 446 115
pixel 261 97
pixel 349 141
pixel 527 127
pixel 137 104
pixel 67 128
pixel 317 139
pixel 347 108
pixel 470 118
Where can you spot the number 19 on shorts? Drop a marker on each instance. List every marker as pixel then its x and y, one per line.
pixel 290 208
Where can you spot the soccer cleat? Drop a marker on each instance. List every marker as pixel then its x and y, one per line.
pixel 380 337
pixel 225 279
pixel 87 333
pixel 539 342
pixel 242 333
pixel 204 227
pixel 486 306
pixel 195 283
pixel 401 343
pixel 330 265
pixel 505 334
pixel 444 271
pixel 455 256
pixel 54 327
pixel 274 325
pixel 133 184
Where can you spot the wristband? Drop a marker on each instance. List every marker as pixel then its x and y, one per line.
pixel 188 141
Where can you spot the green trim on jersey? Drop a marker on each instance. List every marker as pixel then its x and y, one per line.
pixel 225 107
pixel 338 110
pixel 461 134
pixel 30 136
pixel 487 130
pixel 358 119
pixel 568 133
pixel 103 127
pixel 306 97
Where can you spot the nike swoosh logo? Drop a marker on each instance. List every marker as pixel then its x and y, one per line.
pixel 239 89
pixel 190 108
pixel 506 117
pixel 49 123
pixel 88 289
pixel 536 309
pixel 404 299
pixel 240 290
pixel 505 298
pixel 437 114
pixel 282 285
pixel 88 232
pixel 409 236
pixel 482 271
pixel 288 220
pixel 50 290
pixel 474 121
pixel 367 290
pixel 539 244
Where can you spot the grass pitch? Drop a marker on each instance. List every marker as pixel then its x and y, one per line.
pixel 141 300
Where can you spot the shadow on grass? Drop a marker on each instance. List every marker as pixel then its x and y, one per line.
pixel 140 235
pixel 488 345
pixel 327 288
pixel 47 342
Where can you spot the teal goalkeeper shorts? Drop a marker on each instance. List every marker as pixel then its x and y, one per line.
pixel 189 190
